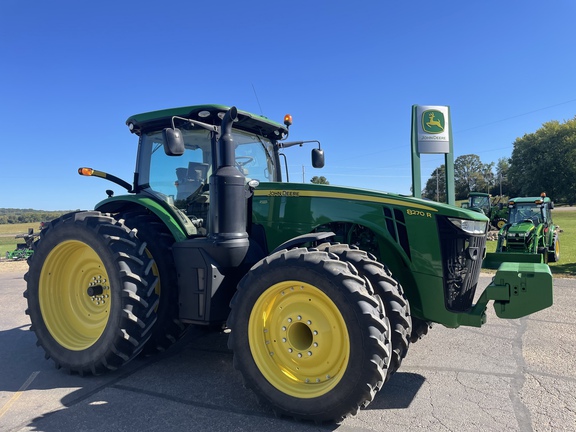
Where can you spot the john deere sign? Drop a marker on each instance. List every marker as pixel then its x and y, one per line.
pixel 433 131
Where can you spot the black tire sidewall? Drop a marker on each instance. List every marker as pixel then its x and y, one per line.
pixel 159 243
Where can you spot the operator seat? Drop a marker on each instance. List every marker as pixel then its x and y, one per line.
pixel 191 179
pixel 197 171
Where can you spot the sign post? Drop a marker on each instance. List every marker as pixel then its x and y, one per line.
pixel 432 134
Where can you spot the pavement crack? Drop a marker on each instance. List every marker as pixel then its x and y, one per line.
pixel 521 412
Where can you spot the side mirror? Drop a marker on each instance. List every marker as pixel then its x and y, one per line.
pixel 317 158
pixel 173 142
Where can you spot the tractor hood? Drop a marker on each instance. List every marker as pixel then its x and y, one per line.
pixel 416 205
pixel 521 229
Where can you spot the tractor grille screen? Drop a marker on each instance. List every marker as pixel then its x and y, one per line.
pixel 461 259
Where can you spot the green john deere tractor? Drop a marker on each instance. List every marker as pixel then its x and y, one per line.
pixel 530 235
pixel 323 288
pixel 494 210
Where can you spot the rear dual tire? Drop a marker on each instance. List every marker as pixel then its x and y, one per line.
pixel 91 293
pixel 158 239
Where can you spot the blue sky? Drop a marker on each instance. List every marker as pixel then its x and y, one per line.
pixel 72 72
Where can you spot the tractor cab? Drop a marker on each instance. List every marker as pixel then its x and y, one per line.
pixel 479 201
pixel 527 213
pixel 181 149
pixel 182 180
pixel 532 210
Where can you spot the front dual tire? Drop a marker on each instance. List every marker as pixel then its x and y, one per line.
pixel 308 337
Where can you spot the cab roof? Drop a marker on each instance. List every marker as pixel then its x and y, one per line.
pixel 210 114
pixel 530 200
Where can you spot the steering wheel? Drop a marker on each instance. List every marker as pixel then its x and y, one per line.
pixel 242 161
pixel 527 220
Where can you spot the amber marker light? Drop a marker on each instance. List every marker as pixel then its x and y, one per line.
pixel 288 120
pixel 85 171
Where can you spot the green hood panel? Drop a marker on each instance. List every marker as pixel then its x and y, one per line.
pixel 302 190
pixel 404 226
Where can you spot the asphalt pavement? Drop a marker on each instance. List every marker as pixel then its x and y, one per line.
pixel 509 375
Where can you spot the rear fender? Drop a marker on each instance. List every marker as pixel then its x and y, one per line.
pixel 178 224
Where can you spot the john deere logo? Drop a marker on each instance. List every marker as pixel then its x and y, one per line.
pixel 433 122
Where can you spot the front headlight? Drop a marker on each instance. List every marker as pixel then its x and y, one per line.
pixel 518 235
pixel 470 226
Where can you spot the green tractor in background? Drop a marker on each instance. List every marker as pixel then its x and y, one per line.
pixel 496 211
pixel 323 288
pixel 24 250
pixel 530 235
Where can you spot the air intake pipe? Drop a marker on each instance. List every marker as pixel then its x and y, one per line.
pixel 228 198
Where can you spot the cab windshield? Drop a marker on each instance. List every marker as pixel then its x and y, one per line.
pixel 180 179
pixel 528 212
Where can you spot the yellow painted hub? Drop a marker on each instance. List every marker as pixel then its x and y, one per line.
pixel 298 339
pixel 74 295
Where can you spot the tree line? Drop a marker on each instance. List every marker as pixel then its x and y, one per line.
pixel 17 216
pixel 543 161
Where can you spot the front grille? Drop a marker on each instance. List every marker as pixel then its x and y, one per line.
pixel 461 260
pixel 517 243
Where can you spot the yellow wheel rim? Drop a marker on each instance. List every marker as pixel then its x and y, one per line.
pixel 500 224
pixel 74 295
pixel 557 248
pixel 298 339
